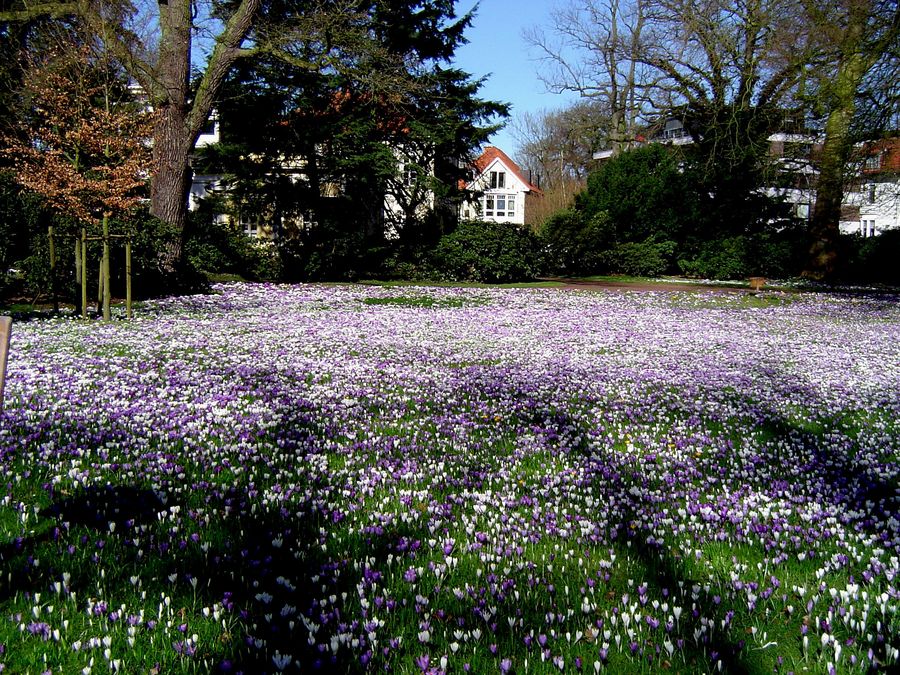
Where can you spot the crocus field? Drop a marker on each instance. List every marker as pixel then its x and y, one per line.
pixel 354 478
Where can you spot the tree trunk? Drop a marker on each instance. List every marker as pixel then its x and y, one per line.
pixel 171 182
pixel 181 118
pixel 172 138
pixel 824 227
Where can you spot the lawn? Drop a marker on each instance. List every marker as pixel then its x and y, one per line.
pixel 487 480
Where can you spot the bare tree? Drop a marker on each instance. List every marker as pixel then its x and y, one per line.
pixel 646 57
pixel 728 63
pixel 558 145
pixel 556 150
pixel 592 48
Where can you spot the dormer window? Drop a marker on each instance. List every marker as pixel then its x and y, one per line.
pixel 498 179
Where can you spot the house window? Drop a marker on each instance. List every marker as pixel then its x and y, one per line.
pixel 873 162
pixel 872 193
pixel 511 206
pixel 498 179
pixel 489 205
pixel 501 205
pixel 408 174
pixel 251 228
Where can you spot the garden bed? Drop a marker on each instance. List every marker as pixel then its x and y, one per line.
pixel 434 479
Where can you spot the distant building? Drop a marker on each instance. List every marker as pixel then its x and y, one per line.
pixel 871 203
pixel 874 199
pixel 500 191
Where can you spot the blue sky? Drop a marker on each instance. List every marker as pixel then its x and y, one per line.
pixel 497 49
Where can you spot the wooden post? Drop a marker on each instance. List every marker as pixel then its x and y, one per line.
pixel 77 261
pixel 84 273
pixel 100 286
pixel 107 292
pixel 5 332
pixel 128 278
pixel 53 269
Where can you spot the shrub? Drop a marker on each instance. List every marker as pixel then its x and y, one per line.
pixel 646 258
pixel 725 258
pixel 644 192
pixel 573 241
pixel 224 248
pixel 22 221
pixel 150 236
pixel 487 252
pixel 408 264
pixel 331 251
pixel 779 254
pixel 873 259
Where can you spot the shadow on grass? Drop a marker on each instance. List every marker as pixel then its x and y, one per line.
pixel 268 563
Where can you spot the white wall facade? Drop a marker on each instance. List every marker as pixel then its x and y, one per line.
pixel 502 198
pixel 410 187
pixel 879 209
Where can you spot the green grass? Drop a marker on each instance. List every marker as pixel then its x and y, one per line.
pixel 223 278
pixel 422 301
pixel 616 279
pixel 460 284
pixel 730 301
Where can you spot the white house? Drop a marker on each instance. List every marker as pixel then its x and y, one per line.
pixel 870 206
pixel 500 191
pixel 873 205
pixel 410 193
pixel 204 185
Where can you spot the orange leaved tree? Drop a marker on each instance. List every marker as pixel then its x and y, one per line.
pixel 81 146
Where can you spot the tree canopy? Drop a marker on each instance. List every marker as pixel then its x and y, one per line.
pixel 181 53
pixel 290 137
pixel 734 72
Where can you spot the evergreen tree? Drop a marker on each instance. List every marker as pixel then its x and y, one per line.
pixel 159 43
pixel 301 146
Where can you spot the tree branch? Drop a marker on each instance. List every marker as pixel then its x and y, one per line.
pixel 52 10
pixel 225 53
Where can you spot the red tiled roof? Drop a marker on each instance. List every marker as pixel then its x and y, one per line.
pixel 889 150
pixel 489 155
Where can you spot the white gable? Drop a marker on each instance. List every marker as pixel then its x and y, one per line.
pixel 510 181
